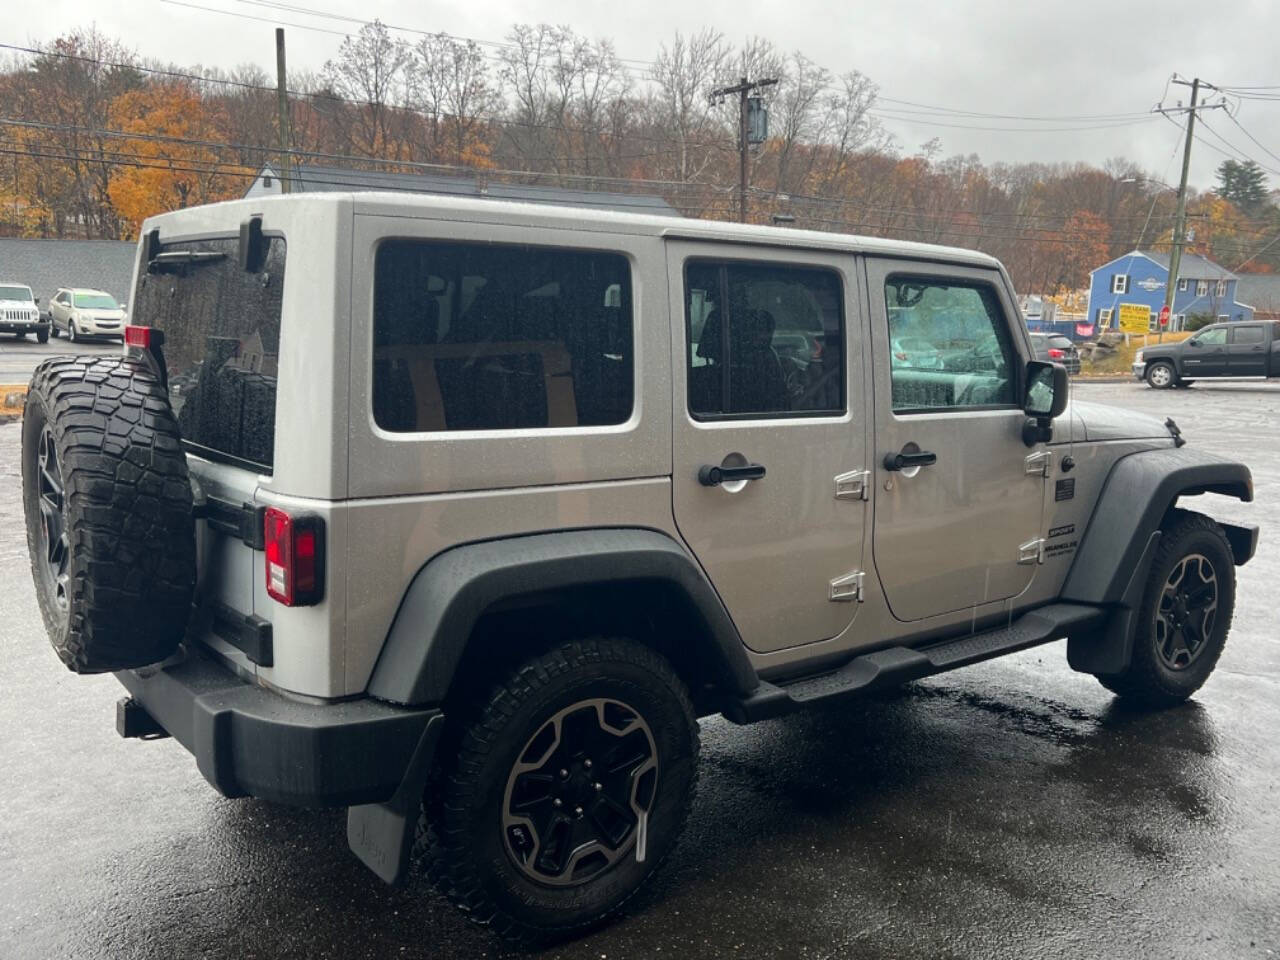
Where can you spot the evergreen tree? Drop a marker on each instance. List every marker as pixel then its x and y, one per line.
pixel 1244 184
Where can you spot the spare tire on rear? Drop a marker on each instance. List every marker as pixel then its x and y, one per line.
pixel 109 517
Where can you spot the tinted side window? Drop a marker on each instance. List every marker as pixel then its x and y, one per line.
pixel 1246 335
pixel 491 337
pixel 949 345
pixel 763 340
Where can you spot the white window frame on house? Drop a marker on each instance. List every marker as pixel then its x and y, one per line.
pixel 1202 288
pixel 1119 283
pixel 1182 284
pixel 1221 289
pixel 1104 317
pixel 1224 318
pixel 1178 322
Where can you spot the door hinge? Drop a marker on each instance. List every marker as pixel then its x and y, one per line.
pixel 1031 552
pixel 848 587
pixel 1040 463
pixel 854 485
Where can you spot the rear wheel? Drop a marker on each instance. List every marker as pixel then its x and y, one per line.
pixel 1185 615
pixel 567 789
pixel 1160 375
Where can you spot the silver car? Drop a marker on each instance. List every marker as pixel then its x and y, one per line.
pixel 460 513
pixel 82 313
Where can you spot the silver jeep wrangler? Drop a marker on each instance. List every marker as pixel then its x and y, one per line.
pixel 460 513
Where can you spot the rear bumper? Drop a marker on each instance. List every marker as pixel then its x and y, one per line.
pixel 251 741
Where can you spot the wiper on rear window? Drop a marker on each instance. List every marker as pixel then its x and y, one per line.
pixel 182 258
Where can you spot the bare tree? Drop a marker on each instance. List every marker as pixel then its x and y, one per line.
pixel 370 70
pixel 449 83
pixel 683 75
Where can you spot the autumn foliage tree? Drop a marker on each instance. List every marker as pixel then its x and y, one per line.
pixel 98 139
pixel 164 131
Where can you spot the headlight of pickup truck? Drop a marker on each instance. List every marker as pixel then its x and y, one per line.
pixel 1137 357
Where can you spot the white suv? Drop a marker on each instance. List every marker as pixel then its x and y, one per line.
pixel 83 313
pixel 20 312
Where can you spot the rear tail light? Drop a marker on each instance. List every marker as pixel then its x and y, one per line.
pixel 294 548
pixel 1056 354
pixel 135 336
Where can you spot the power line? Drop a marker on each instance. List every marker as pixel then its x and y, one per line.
pixel 1253 138
pixel 964 126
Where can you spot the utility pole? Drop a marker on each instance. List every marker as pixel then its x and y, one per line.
pixel 282 105
pixel 742 88
pixel 1180 216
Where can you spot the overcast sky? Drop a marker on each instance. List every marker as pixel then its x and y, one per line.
pixel 1089 58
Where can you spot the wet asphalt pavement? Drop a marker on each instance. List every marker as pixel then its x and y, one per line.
pixel 1009 810
pixel 19 358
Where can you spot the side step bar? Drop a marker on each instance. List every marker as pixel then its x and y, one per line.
pixel 893 666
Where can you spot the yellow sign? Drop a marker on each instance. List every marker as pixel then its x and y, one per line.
pixel 1135 318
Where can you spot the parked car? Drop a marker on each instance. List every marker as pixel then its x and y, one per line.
pixel 1220 350
pixel 81 314
pixel 480 539
pixel 20 312
pixel 1057 348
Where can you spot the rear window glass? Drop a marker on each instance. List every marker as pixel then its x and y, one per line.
pixel 221 328
pixel 492 337
pixel 1059 341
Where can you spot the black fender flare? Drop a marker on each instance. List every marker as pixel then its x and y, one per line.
pixel 448 596
pixel 1110 568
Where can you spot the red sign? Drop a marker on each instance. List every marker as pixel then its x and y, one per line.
pixel 1164 315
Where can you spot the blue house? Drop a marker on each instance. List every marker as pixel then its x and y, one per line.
pixel 1139 277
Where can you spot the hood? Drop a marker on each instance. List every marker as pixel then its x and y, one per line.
pixel 1098 421
pixel 93 314
pixel 30 304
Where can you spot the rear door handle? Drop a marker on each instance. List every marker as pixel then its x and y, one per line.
pixel 907 458
pixel 710 476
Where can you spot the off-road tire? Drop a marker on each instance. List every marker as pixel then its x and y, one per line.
pixel 42 335
pixel 126 512
pixel 1148 681
pixel 460 842
pixel 1159 370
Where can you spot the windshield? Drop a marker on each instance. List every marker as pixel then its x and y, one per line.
pixel 96 301
pixel 221 329
pixel 15 293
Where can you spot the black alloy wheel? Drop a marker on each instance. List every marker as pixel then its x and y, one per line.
pixel 1184 617
pixel 579 795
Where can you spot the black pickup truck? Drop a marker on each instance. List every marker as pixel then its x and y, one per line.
pixel 1219 350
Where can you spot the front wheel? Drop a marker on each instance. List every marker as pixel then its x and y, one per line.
pixel 567 789
pixel 1160 375
pixel 1185 615
pixel 71 332
pixel 42 335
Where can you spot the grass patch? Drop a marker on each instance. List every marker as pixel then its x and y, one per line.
pixel 1120 361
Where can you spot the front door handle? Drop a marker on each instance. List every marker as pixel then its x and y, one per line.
pixel 908 457
pixel 710 476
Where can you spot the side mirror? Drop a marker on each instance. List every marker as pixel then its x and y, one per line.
pixel 1045 400
pixel 37 300
pixel 1193 343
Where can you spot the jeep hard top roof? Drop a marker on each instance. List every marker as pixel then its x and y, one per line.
pixel 577 219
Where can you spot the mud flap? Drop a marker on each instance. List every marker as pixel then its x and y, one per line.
pixel 381 834
pixel 1107 650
